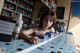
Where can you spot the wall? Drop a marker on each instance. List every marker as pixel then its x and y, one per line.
pixel 1 5
pixel 74 27
pixel 66 4
pixel 74 23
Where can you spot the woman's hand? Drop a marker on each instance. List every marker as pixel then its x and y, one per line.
pixel 33 39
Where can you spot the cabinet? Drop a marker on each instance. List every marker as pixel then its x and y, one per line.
pixel 12 7
pixel 39 4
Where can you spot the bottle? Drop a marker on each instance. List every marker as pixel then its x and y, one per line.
pixel 18 25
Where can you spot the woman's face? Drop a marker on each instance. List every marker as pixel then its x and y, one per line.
pixel 48 21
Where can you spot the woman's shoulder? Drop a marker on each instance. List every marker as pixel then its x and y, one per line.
pixel 52 29
pixel 30 30
pixel 35 29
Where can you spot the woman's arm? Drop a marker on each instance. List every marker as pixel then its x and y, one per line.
pixel 26 35
pixel 27 32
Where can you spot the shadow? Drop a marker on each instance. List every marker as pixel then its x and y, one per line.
pixel 5 38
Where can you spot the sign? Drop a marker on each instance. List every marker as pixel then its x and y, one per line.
pixel 6 27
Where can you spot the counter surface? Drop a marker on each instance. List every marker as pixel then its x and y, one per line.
pixel 63 43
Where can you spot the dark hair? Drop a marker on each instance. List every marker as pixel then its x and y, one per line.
pixel 46 13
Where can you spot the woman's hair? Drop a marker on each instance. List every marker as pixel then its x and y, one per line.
pixel 46 13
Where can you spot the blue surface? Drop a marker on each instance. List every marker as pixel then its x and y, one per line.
pixel 64 41
pixel 75 8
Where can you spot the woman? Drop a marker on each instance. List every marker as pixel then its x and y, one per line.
pixel 47 21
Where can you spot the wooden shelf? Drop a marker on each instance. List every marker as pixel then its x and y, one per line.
pixel 24 9
pixel 28 3
pixel 9 10
pixel 12 7
pixel 16 12
pixel 11 2
pixel 47 5
pixel 26 16
pixel 18 5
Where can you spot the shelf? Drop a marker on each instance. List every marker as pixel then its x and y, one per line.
pixel 12 7
pixel 10 2
pixel 10 10
pixel 27 16
pixel 46 5
pixel 28 2
pixel 24 8
pixel 15 12
pixel 18 5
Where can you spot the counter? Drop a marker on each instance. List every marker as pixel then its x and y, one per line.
pixel 61 43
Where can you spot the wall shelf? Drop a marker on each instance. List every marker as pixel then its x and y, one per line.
pixel 18 5
pixel 28 2
pixel 15 12
pixel 50 7
pixel 12 7
pixel 10 10
pixel 11 2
